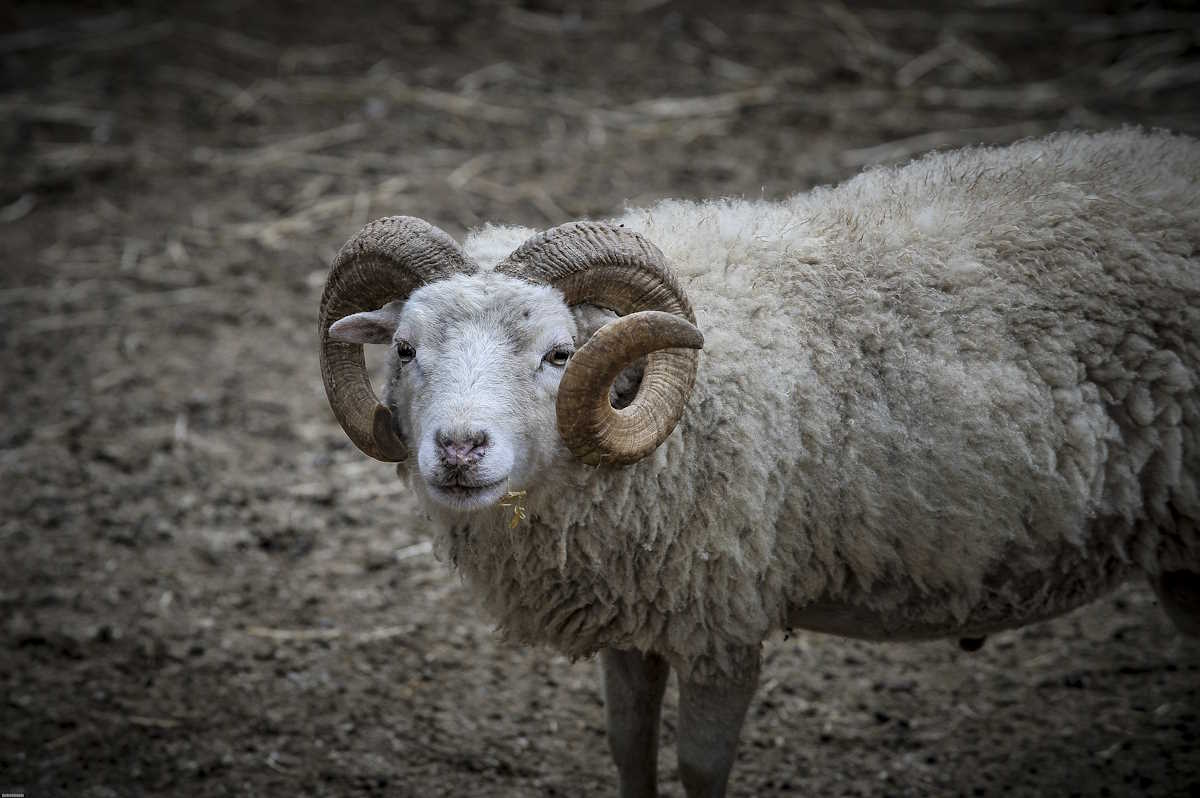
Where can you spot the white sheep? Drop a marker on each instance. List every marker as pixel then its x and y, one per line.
pixel 938 400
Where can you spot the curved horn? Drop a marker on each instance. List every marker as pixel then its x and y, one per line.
pixel 385 262
pixel 618 269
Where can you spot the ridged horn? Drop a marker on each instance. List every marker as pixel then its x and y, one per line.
pixel 618 269
pixel 385 262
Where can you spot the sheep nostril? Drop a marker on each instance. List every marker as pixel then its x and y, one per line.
pixel 462 449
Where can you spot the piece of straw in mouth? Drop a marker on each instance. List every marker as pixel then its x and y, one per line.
pixel 516 500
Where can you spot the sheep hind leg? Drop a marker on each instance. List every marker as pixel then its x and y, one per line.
pixel 633 691
pixel 1179 594
pixel 710 722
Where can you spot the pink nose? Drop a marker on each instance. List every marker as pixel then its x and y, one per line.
pixel 461 449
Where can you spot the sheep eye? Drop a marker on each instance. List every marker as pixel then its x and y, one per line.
pixel 558 356
pixel 405 351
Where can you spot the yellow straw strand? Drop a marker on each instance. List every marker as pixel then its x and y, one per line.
pixel 516 500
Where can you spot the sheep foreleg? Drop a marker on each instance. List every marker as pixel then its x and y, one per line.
pixel 633 691
pixel 710 721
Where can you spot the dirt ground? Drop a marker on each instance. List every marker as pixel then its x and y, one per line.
pixel 207 591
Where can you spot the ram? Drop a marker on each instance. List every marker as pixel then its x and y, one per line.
pixel 938 400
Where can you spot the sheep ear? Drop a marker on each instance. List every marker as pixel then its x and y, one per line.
pixel 369 327
pixel 588 319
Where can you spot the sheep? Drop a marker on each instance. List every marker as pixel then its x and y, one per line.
pixel 938 400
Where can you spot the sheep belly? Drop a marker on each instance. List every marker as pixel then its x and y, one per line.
pixel 1009 605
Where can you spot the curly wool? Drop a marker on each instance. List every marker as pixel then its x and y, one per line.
pixel 951 397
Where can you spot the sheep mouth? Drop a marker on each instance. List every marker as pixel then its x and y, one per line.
pixel 455 487
pixel 461 495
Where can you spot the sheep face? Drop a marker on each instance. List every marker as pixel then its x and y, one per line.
pixel 473 369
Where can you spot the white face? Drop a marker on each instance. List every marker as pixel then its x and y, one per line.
pixel 473 373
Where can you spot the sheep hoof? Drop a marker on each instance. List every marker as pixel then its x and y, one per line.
pixel 971 643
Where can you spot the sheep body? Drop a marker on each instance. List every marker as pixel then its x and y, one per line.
pixel 939 399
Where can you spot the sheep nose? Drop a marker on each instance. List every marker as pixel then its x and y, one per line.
pixel 461 449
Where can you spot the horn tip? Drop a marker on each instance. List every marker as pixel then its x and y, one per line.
pixel 391 447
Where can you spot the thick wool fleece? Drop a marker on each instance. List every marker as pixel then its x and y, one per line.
pixel 939 399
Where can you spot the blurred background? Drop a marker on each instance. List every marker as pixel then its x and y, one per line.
pixel 208 591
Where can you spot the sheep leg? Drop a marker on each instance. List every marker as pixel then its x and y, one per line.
pixel 633 691
pixel 710 722
pixel 1179 594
